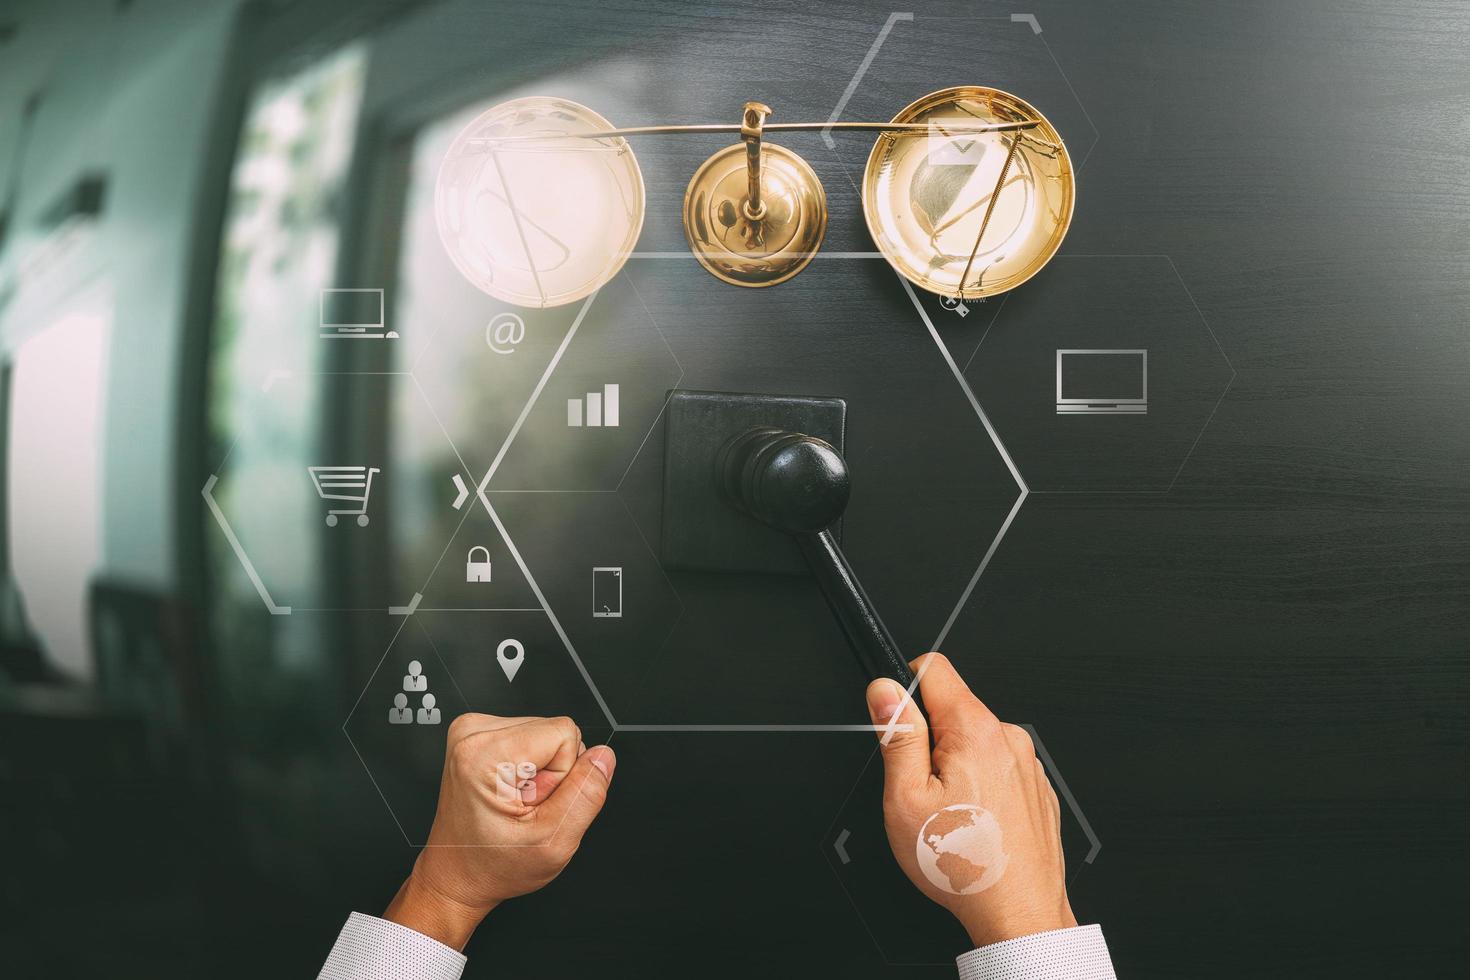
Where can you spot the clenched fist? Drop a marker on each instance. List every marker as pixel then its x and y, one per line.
pixel 972 819
pixel 492 839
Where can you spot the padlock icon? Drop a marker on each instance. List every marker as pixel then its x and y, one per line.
pixel 477 571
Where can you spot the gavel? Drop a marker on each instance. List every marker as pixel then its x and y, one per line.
pixel 800 484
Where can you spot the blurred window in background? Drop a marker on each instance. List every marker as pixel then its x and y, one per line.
pixel 54 490
pixel 279 250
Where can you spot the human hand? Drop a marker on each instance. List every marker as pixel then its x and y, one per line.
pixel 1003 875
pixel 488 844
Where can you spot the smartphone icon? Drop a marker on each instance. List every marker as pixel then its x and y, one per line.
pixel 607 593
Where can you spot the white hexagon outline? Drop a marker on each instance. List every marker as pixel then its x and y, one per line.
pixel 1219 349
pixel 1055 773
pixel 1065 791
pixel 897 16
pixel 207 491
pixel 482 495
pixel 551 835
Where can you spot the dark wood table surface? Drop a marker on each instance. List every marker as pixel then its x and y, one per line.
pixel 1239 624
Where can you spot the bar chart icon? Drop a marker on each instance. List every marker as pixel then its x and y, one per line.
pixel 597 409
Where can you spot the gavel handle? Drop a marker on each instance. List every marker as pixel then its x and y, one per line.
pixel 866 635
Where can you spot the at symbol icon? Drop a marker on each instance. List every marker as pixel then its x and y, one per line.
pixel 504 332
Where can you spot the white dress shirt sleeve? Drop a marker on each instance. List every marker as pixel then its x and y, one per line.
pixel 370 948
pixel 1078 953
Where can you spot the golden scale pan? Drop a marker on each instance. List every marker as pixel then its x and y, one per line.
pixel 968 193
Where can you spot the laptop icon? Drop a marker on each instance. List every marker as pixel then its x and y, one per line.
pixel 1102 382
pixel 353 314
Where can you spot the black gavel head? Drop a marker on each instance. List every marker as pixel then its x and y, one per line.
pixel 790 481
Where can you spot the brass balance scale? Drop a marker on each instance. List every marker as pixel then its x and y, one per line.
pixel 968 192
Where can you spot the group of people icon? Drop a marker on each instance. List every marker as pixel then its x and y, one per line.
pixel 415 680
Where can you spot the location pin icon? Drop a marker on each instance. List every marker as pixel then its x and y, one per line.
pixel 510 653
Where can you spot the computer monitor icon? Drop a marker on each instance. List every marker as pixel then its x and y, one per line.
pixel 353 314
pixel 1102 382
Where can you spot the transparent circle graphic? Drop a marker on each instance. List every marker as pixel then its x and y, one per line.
pixel 531 215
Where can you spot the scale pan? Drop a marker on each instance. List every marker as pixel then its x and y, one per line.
pixel 926 196
pixel 543 221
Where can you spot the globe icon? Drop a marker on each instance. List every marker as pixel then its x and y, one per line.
pixel 959 849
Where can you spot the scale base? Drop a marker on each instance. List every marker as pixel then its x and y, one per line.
pixel 739 250
pixel 702 530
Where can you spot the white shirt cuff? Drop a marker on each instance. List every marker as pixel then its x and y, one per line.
pixel 1078 953
pixel 369 948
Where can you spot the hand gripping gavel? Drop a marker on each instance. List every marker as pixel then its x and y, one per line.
pixel 799 484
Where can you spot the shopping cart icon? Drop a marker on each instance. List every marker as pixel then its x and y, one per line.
pixel 352 484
